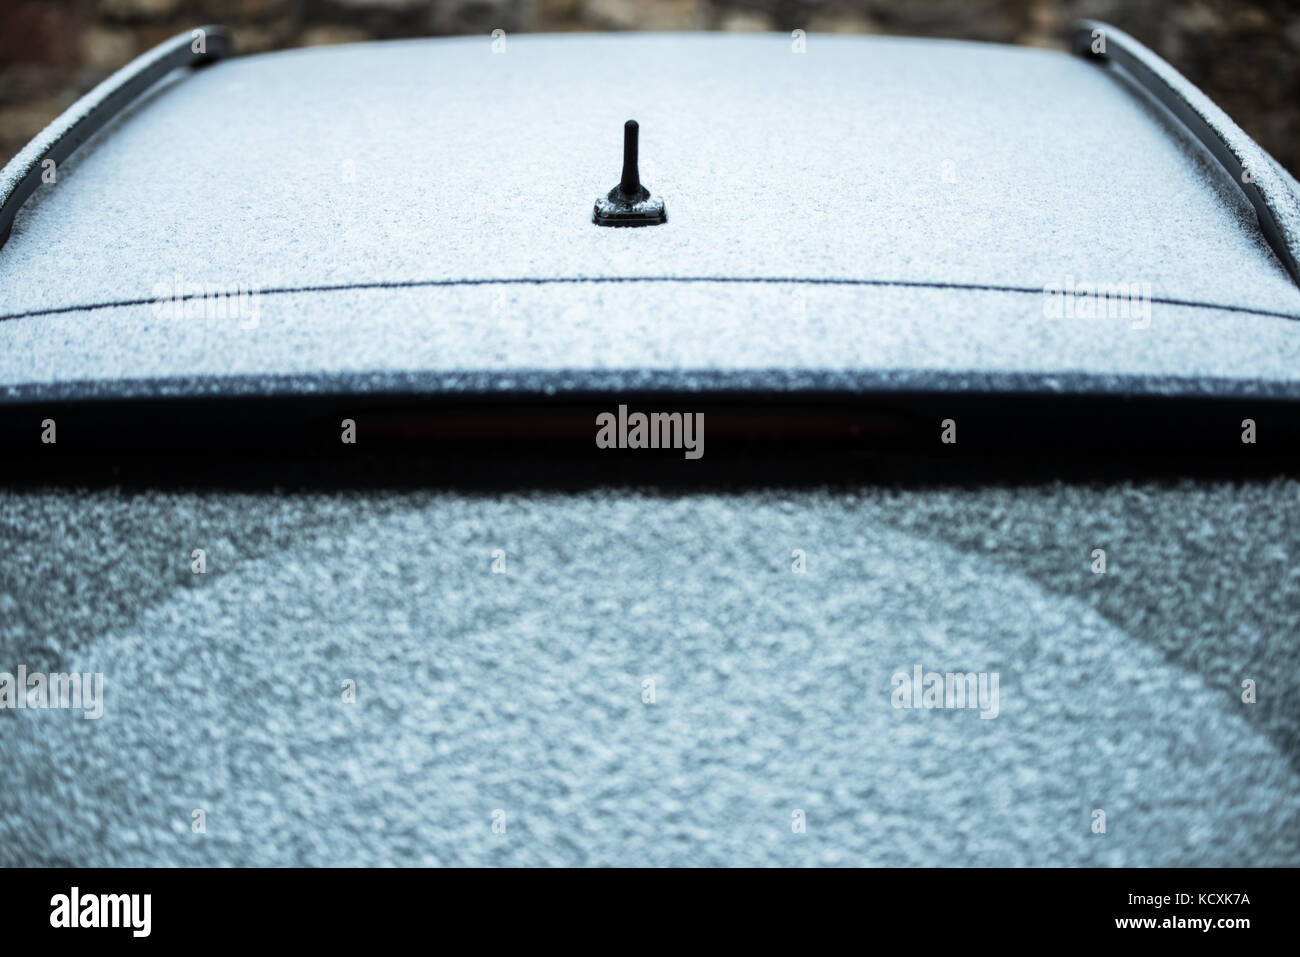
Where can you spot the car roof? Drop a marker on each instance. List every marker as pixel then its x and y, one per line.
pixel 872 208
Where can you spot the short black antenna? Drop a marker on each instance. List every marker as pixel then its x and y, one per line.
pixel 629 203
pixel 631 182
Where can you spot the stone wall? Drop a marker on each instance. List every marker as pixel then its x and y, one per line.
pixel 1245 55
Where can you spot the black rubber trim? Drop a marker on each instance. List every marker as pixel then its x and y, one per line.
pixel 1227 143
pixel 92 112
pixel 898 421
pixel 578 280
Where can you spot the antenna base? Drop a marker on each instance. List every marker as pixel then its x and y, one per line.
pixel 617 208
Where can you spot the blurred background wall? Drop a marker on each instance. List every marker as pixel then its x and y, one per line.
pixel 1245 55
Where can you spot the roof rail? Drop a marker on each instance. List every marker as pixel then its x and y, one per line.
pixel 22 174
pixel 1255 172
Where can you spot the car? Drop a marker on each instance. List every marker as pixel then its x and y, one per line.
pixel 912 482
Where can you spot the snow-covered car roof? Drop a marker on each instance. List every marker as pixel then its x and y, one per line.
pixel 868 214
